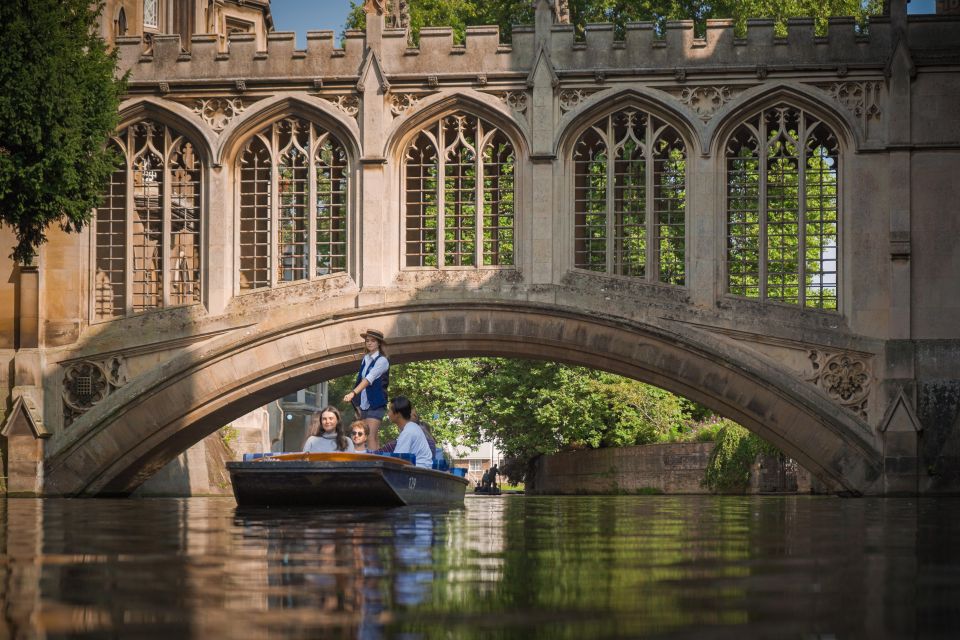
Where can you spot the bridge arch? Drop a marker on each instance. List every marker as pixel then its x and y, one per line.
pixel 123 440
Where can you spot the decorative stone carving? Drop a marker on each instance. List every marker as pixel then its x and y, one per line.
pixel 706 101
pixel 844 377
pixel 571 98
pixel 350 105
pixel 862 99
pixel 561 11
pixel 516 100
pixel 401 102
pixel 87 383
pixel 218 112
pixel 374 6
pixel 398 14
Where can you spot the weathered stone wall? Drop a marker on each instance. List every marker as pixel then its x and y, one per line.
pixel 669 468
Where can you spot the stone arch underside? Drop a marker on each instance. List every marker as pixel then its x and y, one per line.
pixel 119 443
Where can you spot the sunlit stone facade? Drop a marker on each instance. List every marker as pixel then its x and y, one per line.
pixel 763 224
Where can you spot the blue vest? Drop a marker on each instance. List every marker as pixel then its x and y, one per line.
pixel 377 391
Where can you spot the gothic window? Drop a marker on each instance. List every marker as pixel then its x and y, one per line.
pixel 782 209
pixel 147 232
pixel 293 196
pixel 630 198
pixel 122 22
pixel 151 14
pixel 459 195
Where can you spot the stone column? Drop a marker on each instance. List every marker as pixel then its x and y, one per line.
pixel 545 224
pixel 23 428
pixel 373 266
pixel 898 433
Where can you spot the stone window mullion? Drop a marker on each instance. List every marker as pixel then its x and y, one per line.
pixel 128 241
pixel 762 206
pixel 441 194
pixel 478 197
pixel 274 248
pixel 312 204
pixel 610 218
pixel 166 226
pixel 802 211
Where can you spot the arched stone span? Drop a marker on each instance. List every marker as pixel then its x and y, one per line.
pixel 122 441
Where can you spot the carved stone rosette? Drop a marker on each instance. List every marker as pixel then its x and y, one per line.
pixel 571 98
pixel 402 102
pixel 218 112
pixel 348 104
pixel 845 377
pixel 88 382
pixel 706 101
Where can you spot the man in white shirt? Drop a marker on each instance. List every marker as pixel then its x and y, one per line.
pixel 412 438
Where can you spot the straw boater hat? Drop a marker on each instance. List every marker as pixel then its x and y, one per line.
pixel 373 333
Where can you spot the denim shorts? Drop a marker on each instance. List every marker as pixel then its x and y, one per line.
pixel 373 414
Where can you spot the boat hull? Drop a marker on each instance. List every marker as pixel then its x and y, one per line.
pixel 383 482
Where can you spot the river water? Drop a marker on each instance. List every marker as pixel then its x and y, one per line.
pixel 500 567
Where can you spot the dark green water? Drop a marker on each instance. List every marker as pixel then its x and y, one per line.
pixel 505 567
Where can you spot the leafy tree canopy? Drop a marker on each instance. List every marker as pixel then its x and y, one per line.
pixel 532 407
pixel 58 107
pixel 459 14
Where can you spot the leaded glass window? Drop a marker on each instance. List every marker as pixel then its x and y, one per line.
pixel 782 209
pixel 630 198
pixel 459 190
pixel 147 231
pixel 151 13
pixel 293 201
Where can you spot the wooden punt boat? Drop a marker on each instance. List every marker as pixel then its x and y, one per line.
pixel 341 480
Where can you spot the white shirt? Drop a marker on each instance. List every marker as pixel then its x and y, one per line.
pixel 413 440
pixel 378 369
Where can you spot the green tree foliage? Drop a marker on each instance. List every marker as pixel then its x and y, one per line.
pixel 736 449
pixel 58 107
pixel 531 408
pixel 459 14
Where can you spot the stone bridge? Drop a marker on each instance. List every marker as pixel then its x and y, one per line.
pixel 731 217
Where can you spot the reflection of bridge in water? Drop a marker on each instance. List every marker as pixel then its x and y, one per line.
pixel 729 219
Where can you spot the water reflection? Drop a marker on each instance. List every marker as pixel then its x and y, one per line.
pixel 507 567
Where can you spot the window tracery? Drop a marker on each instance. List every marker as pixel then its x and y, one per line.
pixel 630 198
pixel 147 232
pixel 459 195
pixel 293 203
pixel 782 209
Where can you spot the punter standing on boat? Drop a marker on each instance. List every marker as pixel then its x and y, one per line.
pixel 369 393
pixel 326 433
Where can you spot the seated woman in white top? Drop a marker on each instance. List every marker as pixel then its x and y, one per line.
pixel 326 433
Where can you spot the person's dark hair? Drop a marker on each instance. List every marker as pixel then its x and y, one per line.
pixel 402 406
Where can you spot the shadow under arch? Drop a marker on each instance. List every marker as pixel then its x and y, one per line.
pixel 300 104
pixel 435 106
pixel 173 115
pixel 756 99
pixel 120 442
pixel 602 103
